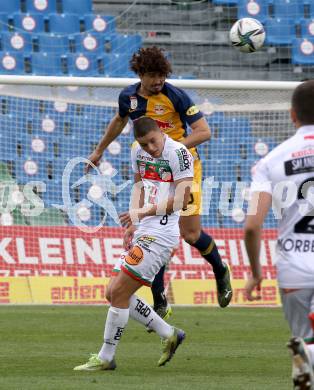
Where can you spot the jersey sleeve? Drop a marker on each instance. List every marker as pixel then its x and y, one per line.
pixel 261 181
pixel 181 164
pixel 134 150
pixel 123 104
pixel 188 111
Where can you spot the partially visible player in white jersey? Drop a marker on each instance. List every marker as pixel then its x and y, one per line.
pixel 284 179
pixel 163 173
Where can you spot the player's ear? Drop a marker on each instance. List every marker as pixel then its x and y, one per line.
pixel 293 115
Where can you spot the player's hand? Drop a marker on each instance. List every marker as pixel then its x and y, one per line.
pixel 128 237
pixel 251 285
pixel 128 218
pixel 125 219
pixel 93 158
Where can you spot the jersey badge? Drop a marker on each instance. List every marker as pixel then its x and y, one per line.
pixel 133 102
pixel 192 111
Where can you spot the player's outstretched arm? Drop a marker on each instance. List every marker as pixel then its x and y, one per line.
pixel 200 133
pixel 112 131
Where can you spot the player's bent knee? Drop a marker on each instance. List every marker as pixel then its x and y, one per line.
pixel 190 236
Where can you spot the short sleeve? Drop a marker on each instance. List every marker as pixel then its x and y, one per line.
pixel 123 104
pixel 182 164
pixel 134 150
pixel 188 111
pixel 261 181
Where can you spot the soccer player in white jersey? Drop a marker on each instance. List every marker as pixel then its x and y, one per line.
pixel 163 171
pixel 287 173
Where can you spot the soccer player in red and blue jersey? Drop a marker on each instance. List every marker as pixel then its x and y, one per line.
pixel 174 111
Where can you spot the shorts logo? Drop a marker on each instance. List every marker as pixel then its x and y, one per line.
pixel 184 159
pixel 192 111
pixel 134 256
pixel 133 102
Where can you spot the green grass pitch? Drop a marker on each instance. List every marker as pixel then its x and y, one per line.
pixel 233 348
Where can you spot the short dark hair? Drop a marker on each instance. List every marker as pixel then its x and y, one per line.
pixel 143 126
pixel 150 60
pixel 303 102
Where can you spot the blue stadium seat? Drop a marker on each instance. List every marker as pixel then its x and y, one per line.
pixel 257 9
pixel 4 26
pixel 90 43
pixel 310 7
pixel 64 24
pixel 10 6
pixel 80 7
pixel 303 51
pixel 38 145
pixel 30 169
pixel 307 28
pixel 119 66
pixel 225 2
pixel 100 24
pixel 29 23
pixel 280 31
pixel 125 44
pixel 7 138
pixel 46 64
pixel 83 65
pixel 16 42
pixel 11 63
pixel 51 43
pixel 41 6
pixel 288 9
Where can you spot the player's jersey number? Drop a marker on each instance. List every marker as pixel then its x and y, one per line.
pixel 304 225
pixel 164 220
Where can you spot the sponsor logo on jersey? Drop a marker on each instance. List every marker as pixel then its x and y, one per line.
pixel 142 168
pixel 159 170
pixel 159 109
pixel 135 255
pixel 165 125
pixel 184 159
pixel 299 165
pixel 133 102
pixel 192 111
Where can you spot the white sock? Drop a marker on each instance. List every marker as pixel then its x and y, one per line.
pixel 141 311
pixel 115 324
pixel 310 348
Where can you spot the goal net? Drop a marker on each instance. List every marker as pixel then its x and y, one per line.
pixel 60 235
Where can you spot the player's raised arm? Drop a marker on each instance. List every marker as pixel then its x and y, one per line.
pixel 112 131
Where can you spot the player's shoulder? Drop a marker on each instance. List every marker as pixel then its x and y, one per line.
pixel 172 145
pixel 135 148
pixel 281 150
pixel 174 93
pixel 177 151
pixel 130 90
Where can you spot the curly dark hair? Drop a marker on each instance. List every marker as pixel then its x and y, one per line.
pixel 150 60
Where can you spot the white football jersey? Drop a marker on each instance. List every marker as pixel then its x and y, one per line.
pixel 287 173
pixel 158 176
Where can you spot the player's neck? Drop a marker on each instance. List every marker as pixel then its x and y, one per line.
pixel 144 92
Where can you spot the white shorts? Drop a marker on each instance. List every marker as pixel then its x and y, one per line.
pixel 146 256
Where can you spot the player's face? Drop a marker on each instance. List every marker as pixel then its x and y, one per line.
pixel 153 143
pixel 152 83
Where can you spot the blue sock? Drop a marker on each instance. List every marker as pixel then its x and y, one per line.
pixel 208 249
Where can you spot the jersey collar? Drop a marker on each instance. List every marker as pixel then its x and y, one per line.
pixel 306 129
